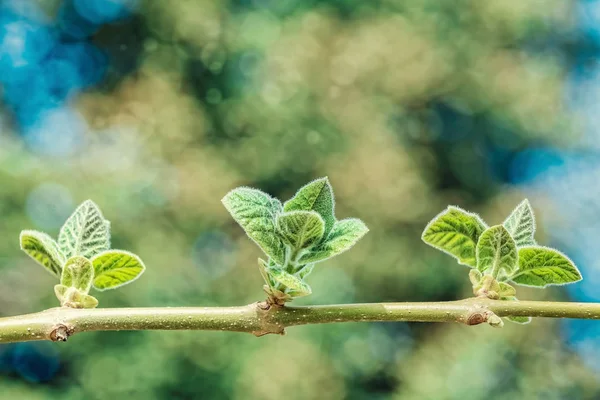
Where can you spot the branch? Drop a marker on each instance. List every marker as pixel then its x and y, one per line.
pixel 57 324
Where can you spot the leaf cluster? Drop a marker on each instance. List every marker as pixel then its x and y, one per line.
pixel 82 257
pixel 294 235
pixel 501 253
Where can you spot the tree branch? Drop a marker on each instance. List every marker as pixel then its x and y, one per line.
pixel 57 324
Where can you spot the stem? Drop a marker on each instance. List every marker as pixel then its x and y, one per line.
pixel 57 324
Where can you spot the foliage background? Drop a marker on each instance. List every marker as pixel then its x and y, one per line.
pixel 155 109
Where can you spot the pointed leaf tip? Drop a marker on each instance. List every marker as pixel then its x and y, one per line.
pixel 521 224
pixel 85 233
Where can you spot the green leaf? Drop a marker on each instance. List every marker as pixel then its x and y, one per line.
pixel 521 224
pixel 44 250
pixel 256 213
pixel 301 229
pixel 455 232
pixel 517 320
pixel 542 266
pixel 506 290
pixel 263 267
pixel 78 273
pixel 496 251
pixel 71 297
pixel 315 196
pixel 305 271
pixel 85 233
pixel 115 268
pixel 343 236
pixel 296 287
pixel 475 277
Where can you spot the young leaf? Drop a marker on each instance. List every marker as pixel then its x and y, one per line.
pixel 43 249
pixel 300 229
pixel 475 277
pixel 506 290
pixel 85 233
pixel 78 273
pixel 455 232
pixel 496 251
pixel 542 266
pixel 305 271
pixel 296 287
pixel 115 268
pixel 71 297
pixel 264 272
pixel 521 224
pixel 315 196
pixel 517 320
pixel 256 212
pixel 343 236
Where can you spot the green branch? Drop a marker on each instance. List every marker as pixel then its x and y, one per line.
pixel 57 324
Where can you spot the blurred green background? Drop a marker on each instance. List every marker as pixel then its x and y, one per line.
pixel 155 109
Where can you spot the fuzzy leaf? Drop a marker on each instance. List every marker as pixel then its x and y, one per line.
pixel 542 266
pixel 305 271
pixel 496 251
pixel 44 250
pixel 263 267
pixel 475 277
pixel 517 320
pixel 300 229
pixel 506 290
pixel 521 224
pixel 71 297
pixel 85 233
pixel 296 287
pixel 343 236
pixel 315 196
pixel 78 273
pixel 455 232
pixel 256 213
pixel 115 268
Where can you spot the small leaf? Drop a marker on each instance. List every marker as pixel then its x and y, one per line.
pixel 263 267
pixel 475 277
pixel 71 297
pixel 343 236
pixel 85 233
pixel 301 229
pixel 256 212
pixel 115 268
pixel 305 271
pixel 60 291
pixel 295 286
pixel 506 290
pixel 78 273
pixel 496 251
pixel 455 232
pixel 521 224
pixel 517 320
pixel 44 250
pixel 315 196
pixel 542 266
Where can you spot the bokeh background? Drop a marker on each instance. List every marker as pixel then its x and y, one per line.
pixel 156 108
